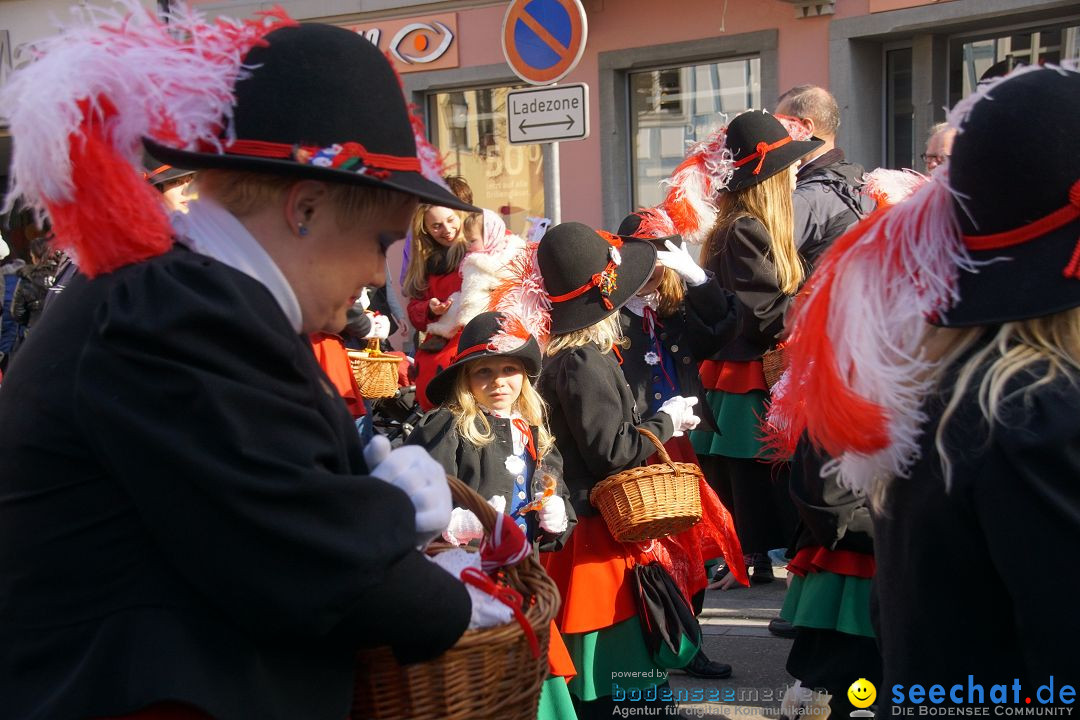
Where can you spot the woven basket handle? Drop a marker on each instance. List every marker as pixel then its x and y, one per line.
pixel 660 449
pixel 464 496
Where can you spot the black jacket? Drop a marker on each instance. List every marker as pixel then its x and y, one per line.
pixel 977 579
pixel 483 468
pixel 744 265
pixel 594 420
pixel 185 513
pixel 830 515
pixel 704 323
pixel 827 201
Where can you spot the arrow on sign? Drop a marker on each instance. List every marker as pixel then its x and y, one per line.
pixel 569 123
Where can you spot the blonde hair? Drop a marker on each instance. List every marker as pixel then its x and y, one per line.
pixel 769 202
pixel 424 247
pixel 605 334
pixel 670 292
pixel 243 193
pixel 468 415
pixel 1015 347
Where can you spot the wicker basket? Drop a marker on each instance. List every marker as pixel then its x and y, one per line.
pixel 649 502
pixel 774 363
pixel 488 673
pixel 376 374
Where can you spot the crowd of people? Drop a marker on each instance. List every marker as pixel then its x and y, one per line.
pixel 877 373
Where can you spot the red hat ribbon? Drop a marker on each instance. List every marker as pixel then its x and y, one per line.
pixel 606 280
pixel 763 148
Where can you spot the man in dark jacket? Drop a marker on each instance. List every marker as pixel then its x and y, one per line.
pixel 827 198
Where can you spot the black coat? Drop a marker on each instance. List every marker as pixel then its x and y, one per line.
pixel 744 266
pixel 704 323
pixel 185 513
pixel 830 515
pixel 827 201
pixel 591 413
pixel 978 579
pixel 483 468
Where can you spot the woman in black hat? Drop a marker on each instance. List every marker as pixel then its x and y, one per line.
pixel 489 430
pixel 588 276
pixel 752 251
pixel 677 319
pixel 945 334
pixel 190 528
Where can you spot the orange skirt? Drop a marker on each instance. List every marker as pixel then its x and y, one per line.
pixel 592 574
pixel 559 662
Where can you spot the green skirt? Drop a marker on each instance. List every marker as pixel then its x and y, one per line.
pixel 827 601
pixel 616 655
pixel 555 702
pixel 738 416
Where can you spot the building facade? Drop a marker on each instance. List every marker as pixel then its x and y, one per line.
pixel 660 73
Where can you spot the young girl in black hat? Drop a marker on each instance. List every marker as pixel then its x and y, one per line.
pixel 489 431
pixel 588 276
pixel 936 356
pixel 680 317
pixel 433 285
pixel 752 251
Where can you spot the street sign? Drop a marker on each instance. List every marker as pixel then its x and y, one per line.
pixel 544 39
pixel 539 115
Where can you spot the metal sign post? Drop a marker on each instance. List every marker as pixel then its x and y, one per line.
pixel 542 41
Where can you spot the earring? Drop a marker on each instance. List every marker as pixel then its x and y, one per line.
pixel 302 229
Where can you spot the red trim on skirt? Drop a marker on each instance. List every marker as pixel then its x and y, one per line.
pixel 815 558
pixel 733 377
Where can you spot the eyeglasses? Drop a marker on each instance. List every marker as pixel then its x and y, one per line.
pixel 932 158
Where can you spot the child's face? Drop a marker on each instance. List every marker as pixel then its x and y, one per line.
pixel 496 382
pixel 443 224
pixel 474 235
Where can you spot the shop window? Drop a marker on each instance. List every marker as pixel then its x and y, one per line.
pixel 899 111
pixel 671 108
pixel 972 58
pixel 469 128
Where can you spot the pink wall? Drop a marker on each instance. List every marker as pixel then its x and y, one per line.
pixel 621 24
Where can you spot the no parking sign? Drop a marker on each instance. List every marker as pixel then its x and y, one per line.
pixel 544 39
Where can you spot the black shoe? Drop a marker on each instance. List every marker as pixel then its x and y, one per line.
pixel 762 573
pixel 781 628
pixel 701 666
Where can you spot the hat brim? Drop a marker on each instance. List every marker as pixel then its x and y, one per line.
pixel 587 309
pixel 410 183
pixel 776 161
pixel 440 386
pixel 1017 283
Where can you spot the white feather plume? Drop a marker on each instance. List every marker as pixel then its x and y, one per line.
pixel 138 74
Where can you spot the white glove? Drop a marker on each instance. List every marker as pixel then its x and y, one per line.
pixel 680 260
pixel 380 327
pixel 498 502
pixel 681 410
pixel 411 469
pixel 464 527
pixel 553 515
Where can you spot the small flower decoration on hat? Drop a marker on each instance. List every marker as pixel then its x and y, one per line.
pixel 340 156
pixel 607 280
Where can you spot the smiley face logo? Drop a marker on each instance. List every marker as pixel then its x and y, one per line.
pixel 862 693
